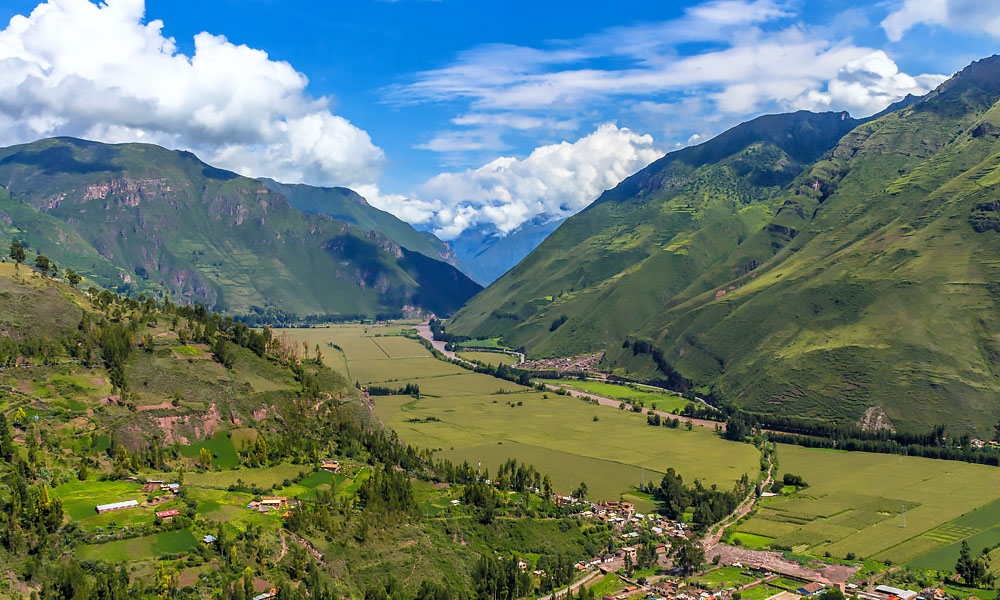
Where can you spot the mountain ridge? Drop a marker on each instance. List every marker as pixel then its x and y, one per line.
pixel 142 218
pixel 821 297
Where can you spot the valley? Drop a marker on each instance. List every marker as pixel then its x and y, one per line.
pixel 765 366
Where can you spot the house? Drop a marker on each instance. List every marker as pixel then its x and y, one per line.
pixel 273 502
pixel 810 589
pixel 104 508
pixel 168 514
pixel 894 591
pixel 209 539
pixel 331 465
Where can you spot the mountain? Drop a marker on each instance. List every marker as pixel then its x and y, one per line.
pixel 803 265
pixel 485 255
pixel 346 205
pixel 140 218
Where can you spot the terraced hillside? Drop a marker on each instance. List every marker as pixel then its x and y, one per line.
pixel 798 264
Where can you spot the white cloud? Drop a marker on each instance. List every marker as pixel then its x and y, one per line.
pixel 99 71
pixel 756 58
pixel 867 85
pixel 978 16
pixel 558 179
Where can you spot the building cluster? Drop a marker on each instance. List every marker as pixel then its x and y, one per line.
pixel 268 504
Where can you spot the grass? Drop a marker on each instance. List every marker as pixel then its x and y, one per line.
pixel 80 497
pixel 611 454
pixel 489 358
pixel 722 578
pixel 606 585
pixel 141 548
pixel 664 401
pixel 752 541
pixel 264 477
pixel 220 445
pixel 854 503
pixel 760 592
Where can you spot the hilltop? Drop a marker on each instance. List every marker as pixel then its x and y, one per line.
pixel 142 219
pixel 805 265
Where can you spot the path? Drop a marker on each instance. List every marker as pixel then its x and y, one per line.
pixel 714 534
pixel 424 330
pixel 284 546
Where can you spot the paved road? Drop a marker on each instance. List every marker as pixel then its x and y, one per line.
pixel 424 329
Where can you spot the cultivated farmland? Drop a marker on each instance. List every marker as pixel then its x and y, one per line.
pixel 880 506
pixel 477 418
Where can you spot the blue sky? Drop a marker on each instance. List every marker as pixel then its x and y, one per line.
pixel 453 114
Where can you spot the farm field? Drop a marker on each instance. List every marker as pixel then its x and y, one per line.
pixel 478 420
pixel 141 548
pixel 489 358
pixel 373 353
pixel 558 435
pixel 855 504
pixel 664 401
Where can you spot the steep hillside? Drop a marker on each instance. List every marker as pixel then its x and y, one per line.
pixel 141 218
pixel 869 278
pixel 627 255
pixel 348 206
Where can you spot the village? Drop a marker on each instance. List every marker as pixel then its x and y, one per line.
pixel 759 570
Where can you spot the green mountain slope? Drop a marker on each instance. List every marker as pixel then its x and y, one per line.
pixel 867 278
pixel 142 218
pixel 346 205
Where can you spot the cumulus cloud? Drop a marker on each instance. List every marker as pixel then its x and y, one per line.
pixel 978 16
pixel 867 85
pixel 557 180
pixel 76 68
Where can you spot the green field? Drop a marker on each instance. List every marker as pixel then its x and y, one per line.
pixel 479 421
pixel 664 401
pixel 222 449
pixel 489 358
pixel 722 578
pixel 264 477
pixel 558 435
pixel 80 497
pixel 141 548
pixel 880 506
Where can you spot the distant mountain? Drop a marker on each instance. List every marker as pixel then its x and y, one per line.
pixel 484 254
pixel 799 264
pixel 140 218
pixel 346 205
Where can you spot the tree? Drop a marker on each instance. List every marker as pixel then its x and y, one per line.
pixel 42 263
pixel 974 571
pixel 687 555
pixel 205 458
pixel 17 252
pixel 581 491
pixel 72 276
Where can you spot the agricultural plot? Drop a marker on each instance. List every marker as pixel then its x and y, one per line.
pixel 560 436
pixel 222 449
pixel 880 506
pixel 489 358
pixel 264 477
pixel 80 497
pixel 663 400
pixel 141 548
